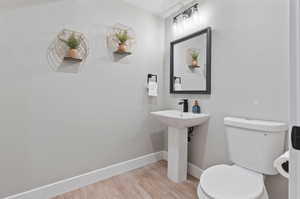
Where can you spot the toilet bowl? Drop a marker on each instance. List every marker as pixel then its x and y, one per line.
pixel 231 182
pixel 253 145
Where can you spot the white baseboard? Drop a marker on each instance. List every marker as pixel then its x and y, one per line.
pixel 193 170
pixel 52 190
pixel 70 184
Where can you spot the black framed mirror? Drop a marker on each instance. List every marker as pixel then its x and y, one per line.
pixel 190 64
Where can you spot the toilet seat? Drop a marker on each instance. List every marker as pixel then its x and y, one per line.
pixel 231 182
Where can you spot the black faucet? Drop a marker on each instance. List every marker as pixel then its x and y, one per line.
pixel 185 103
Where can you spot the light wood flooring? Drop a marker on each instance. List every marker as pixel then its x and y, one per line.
pixel 150 182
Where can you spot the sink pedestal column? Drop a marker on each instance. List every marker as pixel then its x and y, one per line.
pixel 177 154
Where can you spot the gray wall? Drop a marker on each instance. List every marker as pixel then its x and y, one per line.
pixel 249 74
pixel 58 125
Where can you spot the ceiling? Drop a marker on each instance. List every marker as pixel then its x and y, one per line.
pixel 159 7
pixel 163 8
pixel 12 4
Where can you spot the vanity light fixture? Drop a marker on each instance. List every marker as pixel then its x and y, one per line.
pixel 187 13
pixel 186 21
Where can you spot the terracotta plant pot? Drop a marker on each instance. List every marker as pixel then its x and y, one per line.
pixel 73 53
pixel 194 63
pixel 122 48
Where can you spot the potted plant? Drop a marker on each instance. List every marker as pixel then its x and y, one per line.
pixel 122 37
pixel 73 43
pixel 195 56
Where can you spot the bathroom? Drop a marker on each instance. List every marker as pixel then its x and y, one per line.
pixel 66 127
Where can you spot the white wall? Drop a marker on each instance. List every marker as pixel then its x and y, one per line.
pixel 58 125
pixel 250 63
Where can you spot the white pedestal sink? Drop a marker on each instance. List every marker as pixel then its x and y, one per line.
pixel 178 124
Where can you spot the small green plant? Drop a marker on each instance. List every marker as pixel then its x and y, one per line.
pixel 72 42
pixel 195 55
pixel 122 36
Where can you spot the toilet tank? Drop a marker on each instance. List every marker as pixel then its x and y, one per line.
pixel 255 144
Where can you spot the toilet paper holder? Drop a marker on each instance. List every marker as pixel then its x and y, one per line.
pixel 150 77
pixel 285 166
pixel 282 164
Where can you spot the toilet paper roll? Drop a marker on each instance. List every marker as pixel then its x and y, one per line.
pixel 282 164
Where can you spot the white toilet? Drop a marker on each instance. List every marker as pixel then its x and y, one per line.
pixel 253 146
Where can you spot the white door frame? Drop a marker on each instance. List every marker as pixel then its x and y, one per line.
pixel 294 96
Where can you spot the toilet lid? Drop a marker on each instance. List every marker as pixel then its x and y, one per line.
pixel 231 182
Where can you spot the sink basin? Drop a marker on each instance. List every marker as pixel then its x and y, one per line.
pixel 178 119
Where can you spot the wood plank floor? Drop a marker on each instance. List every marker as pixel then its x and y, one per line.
pixel 150 182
